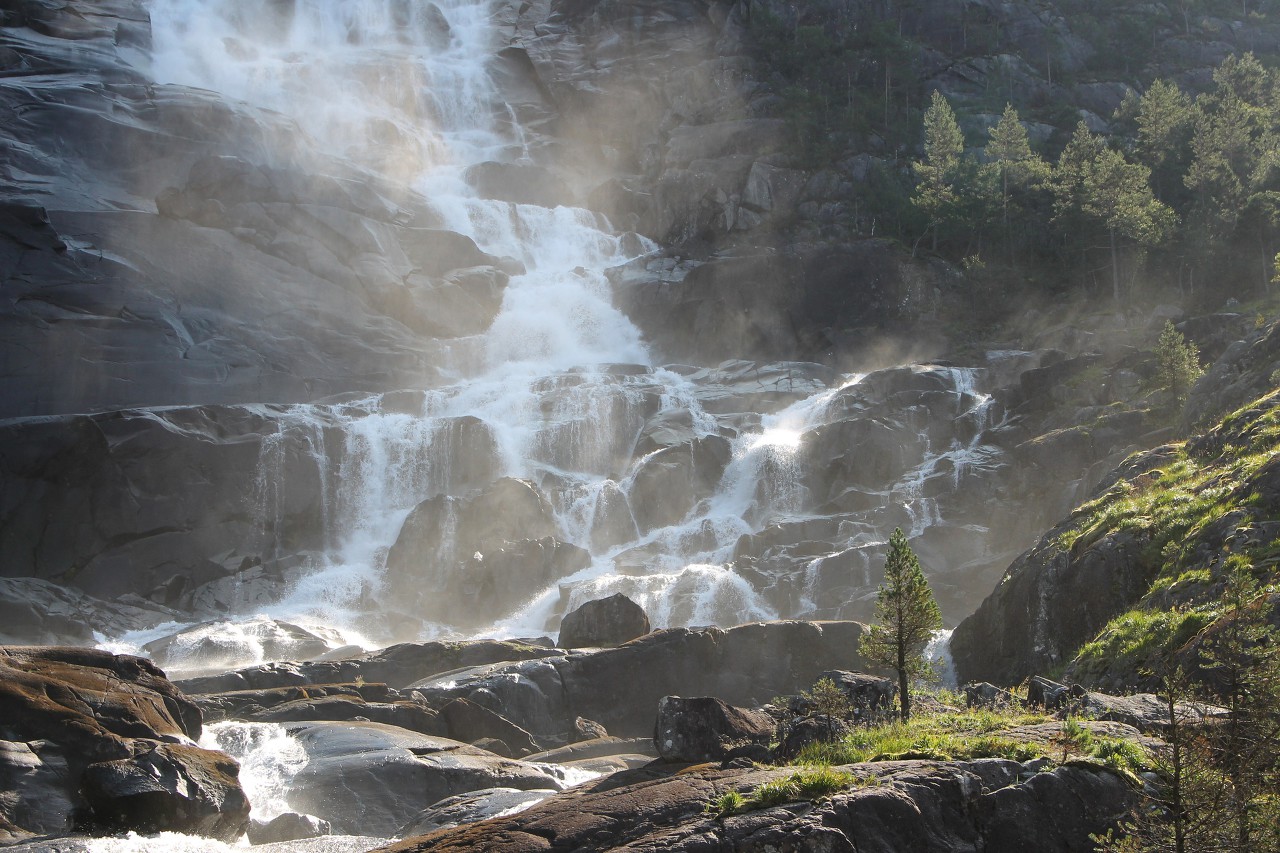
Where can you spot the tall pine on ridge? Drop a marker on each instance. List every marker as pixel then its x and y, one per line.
pixel 906 617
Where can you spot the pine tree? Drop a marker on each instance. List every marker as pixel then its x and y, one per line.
pixel 1018 168
pixel 1177 362
pixel 1097 185
pixel 936 194
pixel 906 617
pixel 1165 118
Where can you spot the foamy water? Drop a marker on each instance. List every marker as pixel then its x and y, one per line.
pixel 560 384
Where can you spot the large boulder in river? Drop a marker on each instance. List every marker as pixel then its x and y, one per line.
pixel 100 740
pixel 371 779
pixel 704 728
pixel 608 621
pixel 168 788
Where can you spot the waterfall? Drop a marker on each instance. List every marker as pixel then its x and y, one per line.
pixel 642 476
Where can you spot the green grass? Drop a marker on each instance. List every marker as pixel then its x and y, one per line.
pixel 1124 756
pixel 950 736
pixel 809 783
pixel 1137 636
pixel 1170 511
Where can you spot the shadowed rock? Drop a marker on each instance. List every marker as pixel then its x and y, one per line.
pixel 936 807
pixel 103 741
pixel 608 621
pixel 706 729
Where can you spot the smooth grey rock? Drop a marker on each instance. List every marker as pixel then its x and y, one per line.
pixel 289 826
pixel 471 807
pixel 372 779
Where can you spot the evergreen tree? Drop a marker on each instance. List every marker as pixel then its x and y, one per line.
pixel 1019 170
pixel 1235 172
pixel 1165 117
pixel 906 617
pixel 936 193
pixel 1177 361
pixel 1096 185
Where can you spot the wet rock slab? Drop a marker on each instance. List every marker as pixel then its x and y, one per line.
pixel 931 807
pixel 372 779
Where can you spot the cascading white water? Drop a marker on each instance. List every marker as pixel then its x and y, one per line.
pixel 403 91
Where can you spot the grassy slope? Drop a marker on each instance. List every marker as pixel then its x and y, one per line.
pixel 1210 503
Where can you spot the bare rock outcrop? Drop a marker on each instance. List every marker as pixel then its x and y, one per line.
pixel 934 807
pixel 99 741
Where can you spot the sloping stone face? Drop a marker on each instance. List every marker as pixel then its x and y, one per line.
pixel 706 729
pixel 932 807
pixel 104 741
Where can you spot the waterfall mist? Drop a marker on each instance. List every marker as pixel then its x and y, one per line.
pixel 547 458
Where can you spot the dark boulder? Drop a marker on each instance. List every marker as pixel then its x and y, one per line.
pixel 469 723
pixel 868 694
pixel 1050 695
pixel 984 695
pixel 608 621
pixel 169 788
pixel 706 728
pixel 820 728
pixel 105 741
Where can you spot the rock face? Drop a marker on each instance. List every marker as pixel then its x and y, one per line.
pixel 621 688
pixel 170 787
pixel 104 741
pixel 927 806
pixel 198 278
pixel 397 666
pixel 372 779
pixel 289 826
pixel 1024 627
pixel 1097 564
pixel 608 621
pixel 706 729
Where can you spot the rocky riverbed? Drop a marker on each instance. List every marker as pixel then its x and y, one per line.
pixel 562 748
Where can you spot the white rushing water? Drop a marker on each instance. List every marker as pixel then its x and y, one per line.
pixel 561 383
pixel 405 92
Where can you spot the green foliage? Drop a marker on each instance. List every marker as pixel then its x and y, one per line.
pixel 829 699
pixel 1095 188
pixel 906 617
pixel 1138 636
pixel 1165 117
pixel 947 736
pixel 728 803
pixel 810 783
pixel 1177 362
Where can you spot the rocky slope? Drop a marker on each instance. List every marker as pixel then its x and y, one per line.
pixel 916 805
pixel 1142 564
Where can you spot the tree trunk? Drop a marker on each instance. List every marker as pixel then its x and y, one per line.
pixel 903 694
pixel 1115 269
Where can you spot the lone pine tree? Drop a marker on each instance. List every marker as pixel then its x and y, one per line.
pixel 906 617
